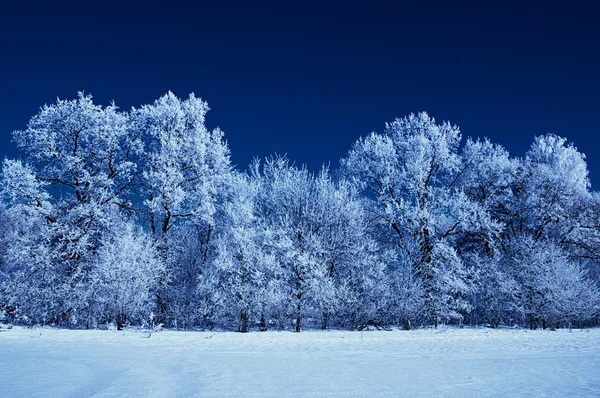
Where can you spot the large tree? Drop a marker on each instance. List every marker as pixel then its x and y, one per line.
pixel 411 174
pixel 80 166
pixel 186 166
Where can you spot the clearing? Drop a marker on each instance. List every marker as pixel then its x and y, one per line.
pixel 444 362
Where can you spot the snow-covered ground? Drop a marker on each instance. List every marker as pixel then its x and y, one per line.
pixel 443 362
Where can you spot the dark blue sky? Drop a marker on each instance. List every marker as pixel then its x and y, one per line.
pixel 308 79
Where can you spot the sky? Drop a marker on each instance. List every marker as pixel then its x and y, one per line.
pixel 307 79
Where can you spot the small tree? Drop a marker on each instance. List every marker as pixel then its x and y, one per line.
pixel 126 275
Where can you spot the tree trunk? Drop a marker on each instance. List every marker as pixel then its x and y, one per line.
pixel 299 307
pixel 324 320
pixel 298 315
pixel 426 272
pixel 244 322
pixel 163 250
pixel 263 323
pixel 298 319
pixel 120 319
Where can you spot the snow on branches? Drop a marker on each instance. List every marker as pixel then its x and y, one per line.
pixel 137 217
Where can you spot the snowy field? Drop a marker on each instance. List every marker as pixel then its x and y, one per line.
pixel 443 362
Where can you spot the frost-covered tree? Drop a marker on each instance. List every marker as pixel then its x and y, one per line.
pixel 126 276
pixel 31 286
pixel 493 293
pixel 582 239
pixel 18 234
pixel 185 163
pixel 555 186
pixel 236 278
pixel 537 203
pixel 288 206
pixel 320 237
pixel 489 181
pixel 355 276
pixel 549 287
pixel 411 174
pixel 185 166
pixel 192 251
pixel 536 196
pixel 85 150
pixel 80 166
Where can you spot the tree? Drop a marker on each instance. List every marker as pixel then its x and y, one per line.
pixel 236 280
pixel 410 173
pixel 557 186
pixel 286 196
pixel 80 166
pixel 490 181
pixel 193 250
pixel 185 166
pixel 550 288
pixel 355 275
pixel 126 276
pixel 320 237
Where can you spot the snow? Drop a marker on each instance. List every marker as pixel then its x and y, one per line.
pixel 447 362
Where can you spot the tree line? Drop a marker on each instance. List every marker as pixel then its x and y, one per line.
pixel 139 218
